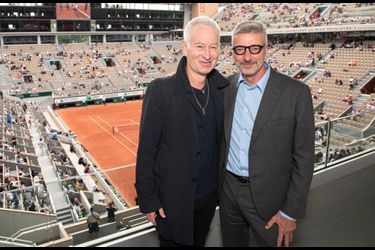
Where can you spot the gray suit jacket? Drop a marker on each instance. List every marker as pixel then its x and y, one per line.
pixel 281 152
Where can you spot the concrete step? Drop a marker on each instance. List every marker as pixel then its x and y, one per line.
pixel 62 213
pixel 63 210
pixel 66 221
pixel 64 216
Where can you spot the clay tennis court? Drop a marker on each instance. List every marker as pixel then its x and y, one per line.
pixel 94 127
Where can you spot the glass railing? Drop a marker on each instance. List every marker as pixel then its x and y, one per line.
pixel 343 138
pixel 54 211
pixel 60 204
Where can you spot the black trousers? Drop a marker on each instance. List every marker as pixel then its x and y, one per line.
pixel 238 215
pixel 93 227
pixel 204 211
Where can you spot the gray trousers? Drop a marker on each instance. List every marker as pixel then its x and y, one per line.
pixel 238 215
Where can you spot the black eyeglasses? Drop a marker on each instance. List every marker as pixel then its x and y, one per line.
pixel 254 49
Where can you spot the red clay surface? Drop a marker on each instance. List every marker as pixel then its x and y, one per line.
pixel 73 11
pixel 93 127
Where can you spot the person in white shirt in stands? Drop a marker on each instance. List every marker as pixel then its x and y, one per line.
pixel 41 147
pixel 92 221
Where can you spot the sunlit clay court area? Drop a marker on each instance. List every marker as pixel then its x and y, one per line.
pixel 110 135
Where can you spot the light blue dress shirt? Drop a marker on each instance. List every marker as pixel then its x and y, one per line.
pixel 246 108
pixel 245 111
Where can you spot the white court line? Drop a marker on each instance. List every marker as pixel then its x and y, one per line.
pixel 113 136
pixel 121 124
pixel 83 13
pixel 134 121
pixel 122 120
pixel 128 139
pixel 127 121
pixel 120 132
pixel 135 110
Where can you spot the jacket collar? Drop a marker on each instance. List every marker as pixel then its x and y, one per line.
pixel 182 85
pixel 270 98
pixel 234 79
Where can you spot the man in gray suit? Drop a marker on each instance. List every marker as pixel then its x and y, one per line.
pixel 268 148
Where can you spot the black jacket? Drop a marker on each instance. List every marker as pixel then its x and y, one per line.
pixel 169 150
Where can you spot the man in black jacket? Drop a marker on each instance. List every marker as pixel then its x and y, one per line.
pixel 181 126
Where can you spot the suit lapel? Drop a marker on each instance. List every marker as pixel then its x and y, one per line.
pixel 217 98
pixel 182 85
pixel 229 101
pixel 269 100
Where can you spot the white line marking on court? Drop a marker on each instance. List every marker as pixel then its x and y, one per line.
pixel 112 136
pixel 121 124
pixel 134 121
pixel 120 132
pixel 122 112
pixel 122 120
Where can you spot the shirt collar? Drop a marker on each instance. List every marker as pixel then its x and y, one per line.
pixel 261 84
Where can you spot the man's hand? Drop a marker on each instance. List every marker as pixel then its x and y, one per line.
pixel 286 229
pixel 152 216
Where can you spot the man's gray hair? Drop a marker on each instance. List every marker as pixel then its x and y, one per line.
pixel 199 20
pixel 250 27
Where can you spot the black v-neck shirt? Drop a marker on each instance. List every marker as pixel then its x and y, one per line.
pixel 206 126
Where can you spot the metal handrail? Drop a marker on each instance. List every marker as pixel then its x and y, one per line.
pixel 26 242
pixel 14 236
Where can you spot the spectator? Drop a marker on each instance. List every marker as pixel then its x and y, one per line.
pixel 111 211
pixel 72 149
pixel 14 141
pixel 41 147
pixel 79 184
pixel 351 80
pixel 54 135
pixel 32 207
pixel 92 221
pixel 371 105
pixel 87 169
pixel 320 90
pixel 64 158
pixel 81 161
pixel 83 211
pixel 77 206
pixel 348 99
pixel 95 187
pixel 352 63
pixel 18 158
